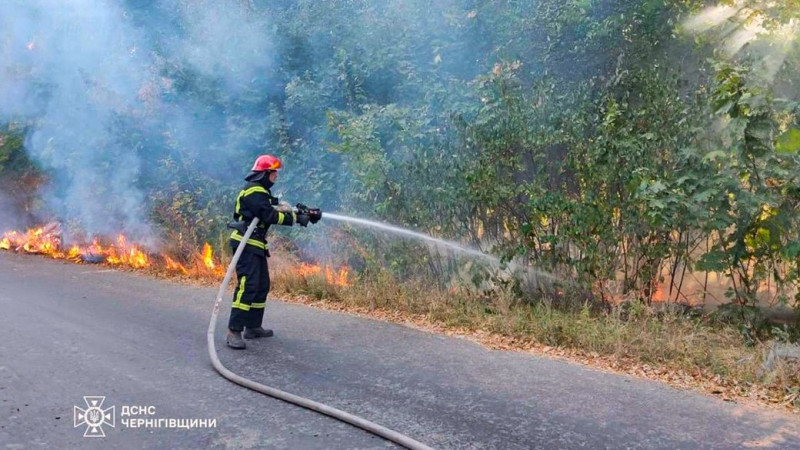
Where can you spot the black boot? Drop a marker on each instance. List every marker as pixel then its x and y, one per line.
pixel 255 333
pixel 234 340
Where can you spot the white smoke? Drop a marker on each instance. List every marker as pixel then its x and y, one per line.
pixel 224 43
pixel 740 30
pixel 82 74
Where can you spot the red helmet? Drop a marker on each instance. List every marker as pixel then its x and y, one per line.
pixel 266 162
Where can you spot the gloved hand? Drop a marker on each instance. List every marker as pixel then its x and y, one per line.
pixel 302 220
pixel 283 207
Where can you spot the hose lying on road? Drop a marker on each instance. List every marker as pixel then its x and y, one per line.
pixel 364 424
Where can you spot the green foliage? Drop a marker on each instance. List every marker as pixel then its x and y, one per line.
pixel 192 211
pixel 586 138
pixel 13 159
pixel 789 141
pixel 762 213
pixel 591 141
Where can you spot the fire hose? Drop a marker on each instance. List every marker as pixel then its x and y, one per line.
pixel 321 408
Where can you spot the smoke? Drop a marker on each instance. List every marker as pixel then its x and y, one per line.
pixel 7 203
pixel 74 68
pixel 742 32
pixel 123 100
pixel 224 43
pixel 95 82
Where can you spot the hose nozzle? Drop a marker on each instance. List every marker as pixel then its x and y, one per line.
pixel 314 214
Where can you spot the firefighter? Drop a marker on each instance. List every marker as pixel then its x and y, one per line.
pixel 252 272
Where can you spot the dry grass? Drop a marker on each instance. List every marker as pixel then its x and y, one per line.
pixel 686 352
pixel 690 353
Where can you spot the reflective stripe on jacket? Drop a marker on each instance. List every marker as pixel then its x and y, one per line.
pixel 255 200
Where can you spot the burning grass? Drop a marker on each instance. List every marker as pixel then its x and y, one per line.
pixel 47 241
pixel 330 276
pixel 684 351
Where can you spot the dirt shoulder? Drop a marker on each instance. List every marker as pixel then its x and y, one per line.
pixel 699 381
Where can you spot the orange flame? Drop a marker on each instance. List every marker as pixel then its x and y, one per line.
pixel 336 277
pixel 208 256
pixel 339 277
pixel 308 269
pixel 174 266
pixel 125 254
pixel 205 264
pixel 46 240
pixel 74 252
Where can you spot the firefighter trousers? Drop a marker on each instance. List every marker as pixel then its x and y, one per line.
pixel 250 296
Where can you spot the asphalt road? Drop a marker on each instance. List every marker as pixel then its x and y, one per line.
pixel 69 331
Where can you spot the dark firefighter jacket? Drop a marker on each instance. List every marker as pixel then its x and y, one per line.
pixel 255 200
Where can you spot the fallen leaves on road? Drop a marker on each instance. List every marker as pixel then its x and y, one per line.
pixel 696 380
